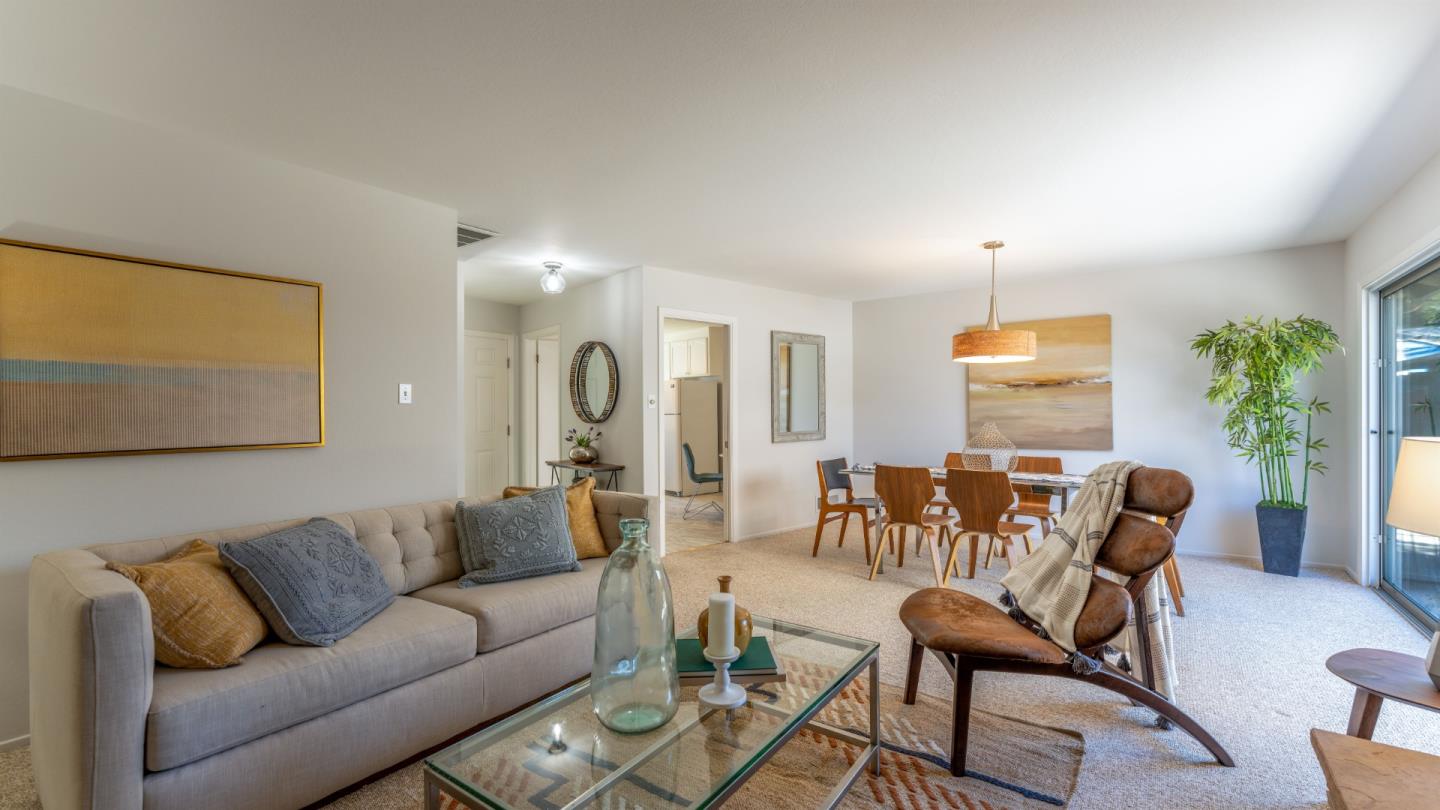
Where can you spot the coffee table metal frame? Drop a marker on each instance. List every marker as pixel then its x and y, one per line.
pixel 435 781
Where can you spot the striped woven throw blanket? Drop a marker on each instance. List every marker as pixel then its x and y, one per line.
pixel 1050 585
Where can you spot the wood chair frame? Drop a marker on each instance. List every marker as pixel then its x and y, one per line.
pixel 1030 503
pixel 830 512
pixel 906 493
pixel 981 498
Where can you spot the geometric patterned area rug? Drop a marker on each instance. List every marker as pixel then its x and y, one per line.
pixel 1012 764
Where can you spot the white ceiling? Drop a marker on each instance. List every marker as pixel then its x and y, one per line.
pixel 857 150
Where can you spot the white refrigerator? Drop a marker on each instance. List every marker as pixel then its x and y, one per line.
pixel 691 414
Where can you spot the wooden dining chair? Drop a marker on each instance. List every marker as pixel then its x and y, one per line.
pixel 981 498
pixel 832 479
pixel 1033 504
pixel 905 492
pixel 969 634
pixel 1173 583
pixel 952 461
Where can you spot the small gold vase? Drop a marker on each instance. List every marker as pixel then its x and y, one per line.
pixel 744 628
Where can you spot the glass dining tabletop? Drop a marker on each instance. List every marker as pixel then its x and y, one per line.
pixel 556 754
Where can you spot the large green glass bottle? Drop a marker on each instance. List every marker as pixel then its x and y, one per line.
pixel 634 684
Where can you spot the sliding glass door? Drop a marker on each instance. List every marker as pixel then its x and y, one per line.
pixel 1409 406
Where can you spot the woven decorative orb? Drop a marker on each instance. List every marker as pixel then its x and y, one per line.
pixel 988 449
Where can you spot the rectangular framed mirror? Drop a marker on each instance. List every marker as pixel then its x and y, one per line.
pixel 797 387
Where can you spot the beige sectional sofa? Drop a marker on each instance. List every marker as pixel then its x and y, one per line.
pixel 290 725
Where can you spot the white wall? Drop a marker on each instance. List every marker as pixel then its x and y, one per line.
pixel 491 316
pixel 75 177
pixel 773 485
pixel 608 311
pixel 1405 229
pixel 910 397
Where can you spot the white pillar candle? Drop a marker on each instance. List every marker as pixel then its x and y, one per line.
pixel 722 625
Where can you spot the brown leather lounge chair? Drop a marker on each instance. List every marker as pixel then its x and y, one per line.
pixel 969 635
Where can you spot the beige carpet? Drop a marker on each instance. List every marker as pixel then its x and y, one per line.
pixel 1251 661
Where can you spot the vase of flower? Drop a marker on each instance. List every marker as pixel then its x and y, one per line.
pixel 635 683
pixel 583 451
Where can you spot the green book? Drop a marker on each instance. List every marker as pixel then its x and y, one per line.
pixel 757 660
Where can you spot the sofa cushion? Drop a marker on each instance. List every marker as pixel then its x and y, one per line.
pixel 200 617
pixel 196 713
pixel 525 536
pixel 314 583
pixel 580 511
pixel 507 612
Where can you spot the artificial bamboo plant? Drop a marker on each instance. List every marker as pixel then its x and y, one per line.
pixel 1256 365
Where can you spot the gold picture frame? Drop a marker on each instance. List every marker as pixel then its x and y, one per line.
pixel 103 354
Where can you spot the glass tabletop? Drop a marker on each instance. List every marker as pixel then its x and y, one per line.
pixel 557 754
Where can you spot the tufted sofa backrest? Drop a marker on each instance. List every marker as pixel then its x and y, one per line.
pixel 414 544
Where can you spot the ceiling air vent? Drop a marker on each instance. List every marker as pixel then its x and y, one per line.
pixel 469 234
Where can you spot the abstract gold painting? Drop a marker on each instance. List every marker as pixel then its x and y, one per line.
pixel 112 355
pixel 1061 400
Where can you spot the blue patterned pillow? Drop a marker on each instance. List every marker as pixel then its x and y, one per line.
pixel 314 583
pixel 526 536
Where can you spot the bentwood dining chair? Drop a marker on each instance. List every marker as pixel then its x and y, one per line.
pixel 982 498
pixel 832 479
pixel 1033 504
pixel 952 461
pixel 905 492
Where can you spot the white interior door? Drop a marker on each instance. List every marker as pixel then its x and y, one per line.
pixel 487 440
pixel 547 406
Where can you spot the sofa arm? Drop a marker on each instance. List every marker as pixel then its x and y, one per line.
pixel 92 661
pixel 612 507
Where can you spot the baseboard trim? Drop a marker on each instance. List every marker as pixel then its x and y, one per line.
pixel 19 742
pixel 1256 557
pixel 773 532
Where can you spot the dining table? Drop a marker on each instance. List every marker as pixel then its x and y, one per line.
pixel 1039 483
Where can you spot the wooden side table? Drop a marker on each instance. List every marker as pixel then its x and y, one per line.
pixel 1381 674
pixel 592 469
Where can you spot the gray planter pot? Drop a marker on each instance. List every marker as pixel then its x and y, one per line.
pixel 1282 537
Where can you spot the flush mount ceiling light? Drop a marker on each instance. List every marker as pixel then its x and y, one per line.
pixel 552 282
pixel 993 344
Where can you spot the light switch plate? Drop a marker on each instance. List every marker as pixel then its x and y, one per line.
pixel 405 393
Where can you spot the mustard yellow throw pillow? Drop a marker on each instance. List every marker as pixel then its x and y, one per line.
pixel 200 617
pixel 580 511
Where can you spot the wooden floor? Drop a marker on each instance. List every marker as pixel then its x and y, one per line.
pixel 704 529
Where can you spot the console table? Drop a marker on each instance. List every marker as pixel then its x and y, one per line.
pixel 593 469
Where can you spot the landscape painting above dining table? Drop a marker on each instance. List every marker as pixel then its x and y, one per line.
pixel 1061 400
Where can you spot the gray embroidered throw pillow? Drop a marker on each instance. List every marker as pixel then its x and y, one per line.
pixel 526 536
pixel 314 583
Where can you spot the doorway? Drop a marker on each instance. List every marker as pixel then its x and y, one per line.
pixel 1409 372
pixel 541 403
pixel 694 431
pixel 487 409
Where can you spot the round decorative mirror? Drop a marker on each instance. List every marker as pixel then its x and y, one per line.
pixel 594 381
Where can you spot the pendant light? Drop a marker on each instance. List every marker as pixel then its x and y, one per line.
pixel 993 344
pixel 552 282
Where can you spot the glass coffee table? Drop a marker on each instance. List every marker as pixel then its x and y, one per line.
pixel 556 754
